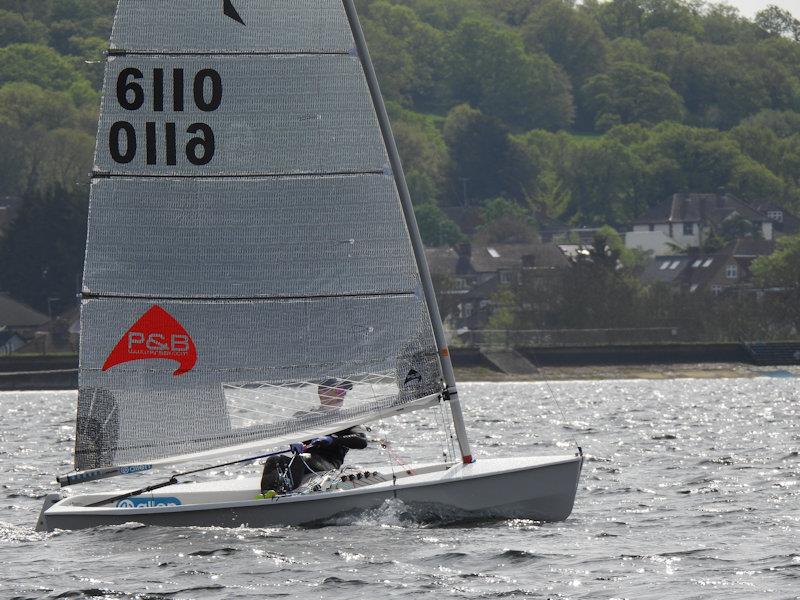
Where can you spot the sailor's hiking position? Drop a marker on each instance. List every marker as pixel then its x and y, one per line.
pixel 283 474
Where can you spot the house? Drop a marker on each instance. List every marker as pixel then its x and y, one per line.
pixel 10 341
pixel 18 323
pixel 688 220
pixel 19 317
pixel 782 220
pixel 724 271
pixel 478 272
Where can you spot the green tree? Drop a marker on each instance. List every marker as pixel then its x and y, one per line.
pixel 16 29
pixel 43 144
pixel 505 305
pixel 781 269
pixel 36 64
pixel 571 38
pixel 630 93
pixel 506 222
pixel 435 227
pixel 776 21
pixel 41 255
pixel 723 24
pixel 491 71
pixel 478 145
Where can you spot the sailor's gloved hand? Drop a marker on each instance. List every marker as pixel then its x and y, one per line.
pixel 297 448
pixel 325 440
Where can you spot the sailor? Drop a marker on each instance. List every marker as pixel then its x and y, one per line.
pixel 283 474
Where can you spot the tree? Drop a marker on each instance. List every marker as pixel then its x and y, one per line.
pixel 424 154
pixel 571 38
pixel 776 21
pixel 36 64
pixel 780 273
pixel 603 179
pixel 781 269
pixel 416 43
pixel 505 222
pixel 435 227
pixel 41 255
pixel 43 146
pixel 491 71
pixel 16 29
pixel 478 145
pixel 630 93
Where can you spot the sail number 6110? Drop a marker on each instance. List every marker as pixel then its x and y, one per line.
pixel 161 144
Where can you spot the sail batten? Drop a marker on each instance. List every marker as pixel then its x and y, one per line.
pixel 247 248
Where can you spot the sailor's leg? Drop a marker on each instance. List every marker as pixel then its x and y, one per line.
pixel 271 478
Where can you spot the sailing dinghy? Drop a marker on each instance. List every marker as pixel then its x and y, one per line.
pixel 250 236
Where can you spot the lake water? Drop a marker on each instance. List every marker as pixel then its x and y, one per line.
pixel 691 490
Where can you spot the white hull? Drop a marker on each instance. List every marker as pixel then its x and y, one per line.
pixel 527 488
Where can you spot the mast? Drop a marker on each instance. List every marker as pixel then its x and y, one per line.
pixel 451 390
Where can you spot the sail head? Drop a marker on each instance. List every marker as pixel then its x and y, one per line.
pixel 246 239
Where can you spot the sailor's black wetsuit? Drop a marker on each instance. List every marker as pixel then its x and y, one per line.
pixel 315 459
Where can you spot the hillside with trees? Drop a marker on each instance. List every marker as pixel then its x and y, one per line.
pixel 590 113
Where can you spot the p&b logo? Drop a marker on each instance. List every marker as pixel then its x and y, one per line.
pixel 156 335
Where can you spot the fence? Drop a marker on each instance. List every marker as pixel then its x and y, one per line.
pixel 556 338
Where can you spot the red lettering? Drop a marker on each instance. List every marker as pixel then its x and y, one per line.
pixel 156 335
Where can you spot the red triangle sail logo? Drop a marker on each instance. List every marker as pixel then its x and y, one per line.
pixel 156 335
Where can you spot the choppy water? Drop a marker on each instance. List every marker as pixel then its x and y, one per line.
pixel 690 491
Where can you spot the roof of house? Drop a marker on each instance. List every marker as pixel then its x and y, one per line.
pixel 497 257
pixel 698 270
pixel 790 223
pixel 473 258
pixel 442 260
pixel 16 314
pixel 751 248
pixel 697 208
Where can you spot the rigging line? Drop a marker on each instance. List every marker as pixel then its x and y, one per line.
pixel 157 53
pixel 174 479
pixel 308 175
pixel 241 299
pixel 546 381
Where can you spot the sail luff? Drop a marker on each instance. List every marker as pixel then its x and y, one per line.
pixel 451 391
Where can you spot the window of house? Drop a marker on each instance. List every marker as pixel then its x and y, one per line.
pixel 505 277
pixel 693 289
pixel 732 271
pixel 493 252
pixel 675 265
pixel 716 289
pixel 664 266
pixel 775 215
pixel 708 263
pixel 688 229
pixel 468 309
pixel 461 283
pixel 697 263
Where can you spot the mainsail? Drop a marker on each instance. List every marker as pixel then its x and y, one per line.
pixel 247 241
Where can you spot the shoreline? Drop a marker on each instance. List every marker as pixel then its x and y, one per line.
pixel 67 379
pixel 614 372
